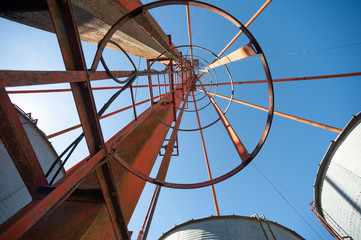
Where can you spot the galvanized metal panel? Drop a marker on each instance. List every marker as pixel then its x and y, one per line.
pixel 229 228
pixel 14 194
pixel 338 183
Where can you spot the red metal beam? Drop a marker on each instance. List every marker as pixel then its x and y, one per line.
pixel 206 156
pixel 163 169
pixel 232 134
pixel 316 124
pixel 58 195
pixel 70 46
pixel 102 117
pixel 10 78
pixel 18 145
pixel 150 84
pixel 69 90
pixel 69 41
pixel 292 79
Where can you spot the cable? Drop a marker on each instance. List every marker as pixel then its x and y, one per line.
pixel 315 50
pixel 289 191
pixel 107 69
pixel 284 198
pixel 128 82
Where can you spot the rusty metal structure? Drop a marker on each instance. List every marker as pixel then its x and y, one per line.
pixel 100 193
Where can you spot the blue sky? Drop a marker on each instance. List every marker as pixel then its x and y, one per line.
pixel 289 32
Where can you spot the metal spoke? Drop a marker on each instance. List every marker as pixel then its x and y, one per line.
pixel 316 124
pixel 241 53
pixel 242 151
pixel 206 157
pixel 189 32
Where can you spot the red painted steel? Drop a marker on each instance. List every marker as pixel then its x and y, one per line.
pixel 247 25
pixel 18 145
pixel 312 123
pixel 69 90
pixel 102 117
pixel 292 79
pixel 69 41
pixel 141 232
pixel 163 169
pixel 189 32
pixel 206 156
pixel 27 220
pixel 232 134
pixel 150 85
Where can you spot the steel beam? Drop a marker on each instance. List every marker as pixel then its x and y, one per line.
pixel 102 117
pixel 31 217
pixel 94 17
pixel 67 33
pixel 18 145
pixel 292 79
pixel 232 134
pixel 206 156
pixel 312 123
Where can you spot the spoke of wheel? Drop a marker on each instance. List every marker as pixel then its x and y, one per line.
pixel 316 124
pixel 206 156
pixel 241 53
pixel 163 169
pixel 189 32
pixel 247 25
pixel 291 79
pixel 242 151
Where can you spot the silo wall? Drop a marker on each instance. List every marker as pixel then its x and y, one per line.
pixel 13 192
pixel 338 182
pixel 230 228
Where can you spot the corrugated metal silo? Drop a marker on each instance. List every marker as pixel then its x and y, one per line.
pixel 13 193
pixel 338 182
pixel 230 228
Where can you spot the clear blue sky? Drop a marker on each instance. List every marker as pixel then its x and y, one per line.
pixel 292 150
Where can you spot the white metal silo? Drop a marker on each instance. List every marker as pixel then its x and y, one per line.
pixel 338 184
pixel 230 228
pixel 13 193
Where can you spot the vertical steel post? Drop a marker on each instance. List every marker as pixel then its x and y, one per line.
pixel 18 145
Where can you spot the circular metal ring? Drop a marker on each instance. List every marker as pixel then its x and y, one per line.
pixel 259 51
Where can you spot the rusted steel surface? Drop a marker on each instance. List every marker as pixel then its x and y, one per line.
pixel 21 78
pixel 138 144
pixel 316 124
pixel 163 169
pixel 150 85
pixel 232 134
pixel 24 222
pixel 110 193
pixel 328 227
pixel 68 37
pixel 69 90
pixel 18 145
pixel 206 156
pixel 69 41
pixel 103 14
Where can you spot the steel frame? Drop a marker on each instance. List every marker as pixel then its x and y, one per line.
pixel 20 150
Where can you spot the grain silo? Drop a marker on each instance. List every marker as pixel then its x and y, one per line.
pixel 337 185
pixel 14 194
pixel 230 227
